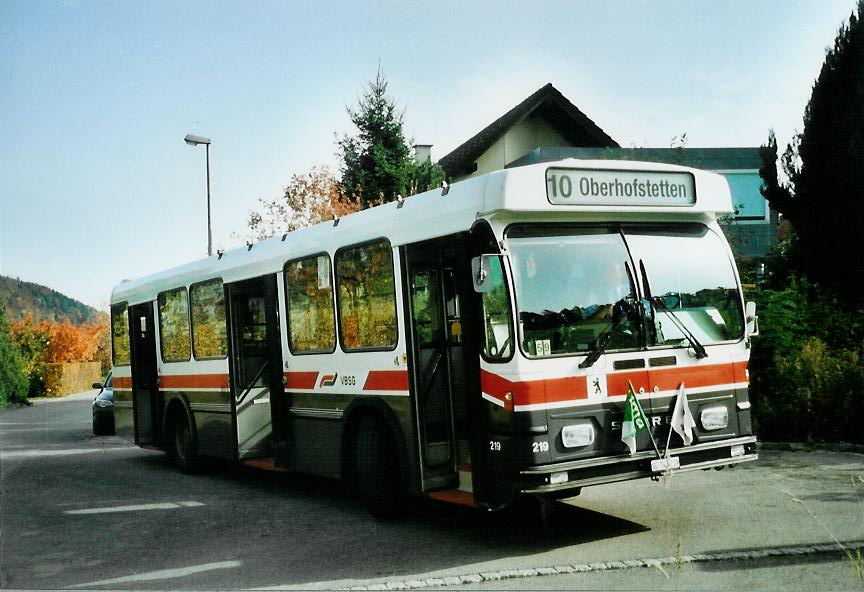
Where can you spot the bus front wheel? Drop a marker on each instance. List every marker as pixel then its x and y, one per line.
pixel 379 478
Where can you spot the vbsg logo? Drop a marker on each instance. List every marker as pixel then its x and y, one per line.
pixel 328 380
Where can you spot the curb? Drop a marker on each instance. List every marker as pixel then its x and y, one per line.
pixel 659 562
pixel 811 447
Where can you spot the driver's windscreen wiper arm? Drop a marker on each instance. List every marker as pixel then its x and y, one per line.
pixel 658 301
pixel 602 344
pixel 700 349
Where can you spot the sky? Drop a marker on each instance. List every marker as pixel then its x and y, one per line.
pixel 97 185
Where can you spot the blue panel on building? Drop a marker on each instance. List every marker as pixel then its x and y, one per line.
pixel 746 198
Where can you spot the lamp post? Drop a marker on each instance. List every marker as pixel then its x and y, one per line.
pixel 195 141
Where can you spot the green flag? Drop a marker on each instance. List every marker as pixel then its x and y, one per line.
pixel 634 419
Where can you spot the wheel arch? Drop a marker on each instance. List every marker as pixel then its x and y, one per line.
pixel 352 417
pixel 178 404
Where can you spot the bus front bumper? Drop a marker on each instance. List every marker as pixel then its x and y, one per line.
pixel 558 478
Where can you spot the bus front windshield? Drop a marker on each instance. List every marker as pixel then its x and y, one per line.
pixel 575 288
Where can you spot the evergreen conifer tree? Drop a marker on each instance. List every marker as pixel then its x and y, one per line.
pixel 377 164
pixel 825 201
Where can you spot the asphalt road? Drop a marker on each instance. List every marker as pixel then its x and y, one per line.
pixel 83 512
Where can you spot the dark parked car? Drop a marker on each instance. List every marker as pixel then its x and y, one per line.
pixel 103 408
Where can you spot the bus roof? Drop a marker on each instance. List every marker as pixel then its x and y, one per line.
pixel 507 193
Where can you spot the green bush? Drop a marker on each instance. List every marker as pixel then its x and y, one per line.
pixel 807 380
pixel 13 382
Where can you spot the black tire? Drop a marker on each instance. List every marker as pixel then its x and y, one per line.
pixel 379 477
pixel 182 444
pixel 99 428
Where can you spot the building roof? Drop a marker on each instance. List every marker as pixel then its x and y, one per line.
pixel 712 159
pixel 563 115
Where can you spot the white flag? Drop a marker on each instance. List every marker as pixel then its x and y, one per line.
pixel 682 419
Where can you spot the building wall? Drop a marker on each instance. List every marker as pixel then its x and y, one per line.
pixel 527 135
pixel 491 160
pixel 530 133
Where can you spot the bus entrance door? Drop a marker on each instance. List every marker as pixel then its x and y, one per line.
pixel 255 362
pixel 146 399
pixel 438 359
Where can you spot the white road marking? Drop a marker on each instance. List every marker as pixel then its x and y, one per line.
pixel 64 452
pixel 164 574
pixel 30 429
pixel 32 423
pixel 136 508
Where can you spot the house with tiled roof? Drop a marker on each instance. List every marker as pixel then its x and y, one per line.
pixel 547 126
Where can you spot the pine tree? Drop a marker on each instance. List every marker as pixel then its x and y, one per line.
pixel 376 162
pixel 827 210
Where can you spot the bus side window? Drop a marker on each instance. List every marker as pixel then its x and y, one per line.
pixel 497 318
pixel 311 328
pixel 120 334
pixel 367 297
pixel 174 325
pixel 208 320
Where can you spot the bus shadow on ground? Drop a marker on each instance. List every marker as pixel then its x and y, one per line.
pixel 519 526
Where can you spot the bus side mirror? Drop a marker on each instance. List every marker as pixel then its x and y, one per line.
pixel 751 319
pixel 481 273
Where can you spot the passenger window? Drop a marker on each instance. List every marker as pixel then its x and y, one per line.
pixel 174 325
pixel 208 320
pixel 120 334
pixel 367 302
pixel 311 327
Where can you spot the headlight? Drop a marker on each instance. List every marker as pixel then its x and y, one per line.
pixel 714 418
pixel 102 403
pixel 581 434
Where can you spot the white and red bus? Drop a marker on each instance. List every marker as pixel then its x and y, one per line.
pixel 472 344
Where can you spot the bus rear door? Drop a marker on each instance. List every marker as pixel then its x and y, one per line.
pixel 146 398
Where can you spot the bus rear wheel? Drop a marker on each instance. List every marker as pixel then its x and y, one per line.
pixel 379 478
pixel 182 443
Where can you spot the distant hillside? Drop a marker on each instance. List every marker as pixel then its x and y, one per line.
pixel 45 303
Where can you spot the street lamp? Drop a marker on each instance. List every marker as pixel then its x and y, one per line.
pixel 195 141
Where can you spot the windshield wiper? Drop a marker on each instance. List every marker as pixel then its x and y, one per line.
pixel 700 349
pixel 602 344
pixel 658 302
pixel 606 337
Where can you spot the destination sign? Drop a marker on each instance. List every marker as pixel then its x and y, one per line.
pixel 619 188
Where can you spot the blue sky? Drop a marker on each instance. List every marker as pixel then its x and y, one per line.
pixel 96 184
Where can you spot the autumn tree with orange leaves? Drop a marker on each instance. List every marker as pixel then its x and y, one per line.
pixel 308 199
pixel 54 343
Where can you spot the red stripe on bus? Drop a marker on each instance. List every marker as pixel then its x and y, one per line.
pixel 554 390
pixel 301 380
pixel 193 381
pixel 121 382
pixel 616 384
pixel 740 371
pixel 564 389
pixel 386 380
pixel 533 392
pixel 670 379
